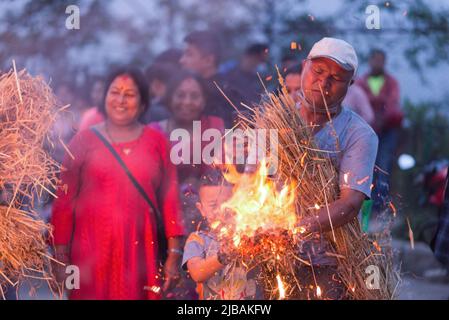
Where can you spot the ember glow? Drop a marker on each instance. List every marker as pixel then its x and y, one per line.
pixel 258 204
pixel 318 291
pixel 280 288
pixel 377 246
pixel 410 235
pixel 393 208
pixel 154 289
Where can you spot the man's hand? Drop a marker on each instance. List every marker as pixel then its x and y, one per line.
pixel 309 225
pixel 171 271
pixel 173 263
pixel 340 212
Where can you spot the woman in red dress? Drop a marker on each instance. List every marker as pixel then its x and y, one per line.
pixel 186 99
pixel 102 224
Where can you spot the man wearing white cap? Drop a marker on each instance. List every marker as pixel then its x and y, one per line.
pixel 328 72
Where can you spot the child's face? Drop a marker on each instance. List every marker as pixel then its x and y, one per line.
pixel 211 198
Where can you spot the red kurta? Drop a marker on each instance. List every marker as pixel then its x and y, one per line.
pixel 113 228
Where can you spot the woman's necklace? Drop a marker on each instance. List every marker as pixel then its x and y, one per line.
pixel 126 150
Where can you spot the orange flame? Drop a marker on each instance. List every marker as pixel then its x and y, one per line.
pixel 318 291
pixel 377 246
pixel 258 204
pixel 280 288
pixel 393 208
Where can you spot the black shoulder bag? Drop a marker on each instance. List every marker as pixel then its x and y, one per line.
pixel 162 240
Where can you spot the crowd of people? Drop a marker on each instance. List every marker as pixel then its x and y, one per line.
pixel 124 210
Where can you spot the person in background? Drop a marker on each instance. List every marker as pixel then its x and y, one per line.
pixel 158 76
pixel 169 57
pixel 292 78
pixel 186 99
pixel 244 76
pixel 201 55
pixel 357 100
pixel 93 115
pixel 382 90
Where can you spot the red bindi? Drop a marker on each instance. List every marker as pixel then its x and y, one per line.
pixel 123 77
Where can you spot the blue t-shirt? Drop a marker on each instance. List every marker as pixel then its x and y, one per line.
pixel 352 148
pixel 351 144
pixel 230 283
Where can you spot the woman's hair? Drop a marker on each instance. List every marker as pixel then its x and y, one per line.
pixel 140 81
pixel 176 80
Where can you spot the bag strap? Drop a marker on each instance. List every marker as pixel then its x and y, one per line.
pixel 128 173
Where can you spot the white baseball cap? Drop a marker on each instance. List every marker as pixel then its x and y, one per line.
pixel 338 50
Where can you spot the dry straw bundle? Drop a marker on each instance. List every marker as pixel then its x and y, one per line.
pixel 27 114
pixel 317 185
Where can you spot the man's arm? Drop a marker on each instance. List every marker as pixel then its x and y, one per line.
pixel 355 177
pixel 340 211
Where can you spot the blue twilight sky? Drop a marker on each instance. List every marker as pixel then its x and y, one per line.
pixel 431 84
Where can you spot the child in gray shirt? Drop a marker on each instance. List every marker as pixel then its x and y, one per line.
pixel 207 261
